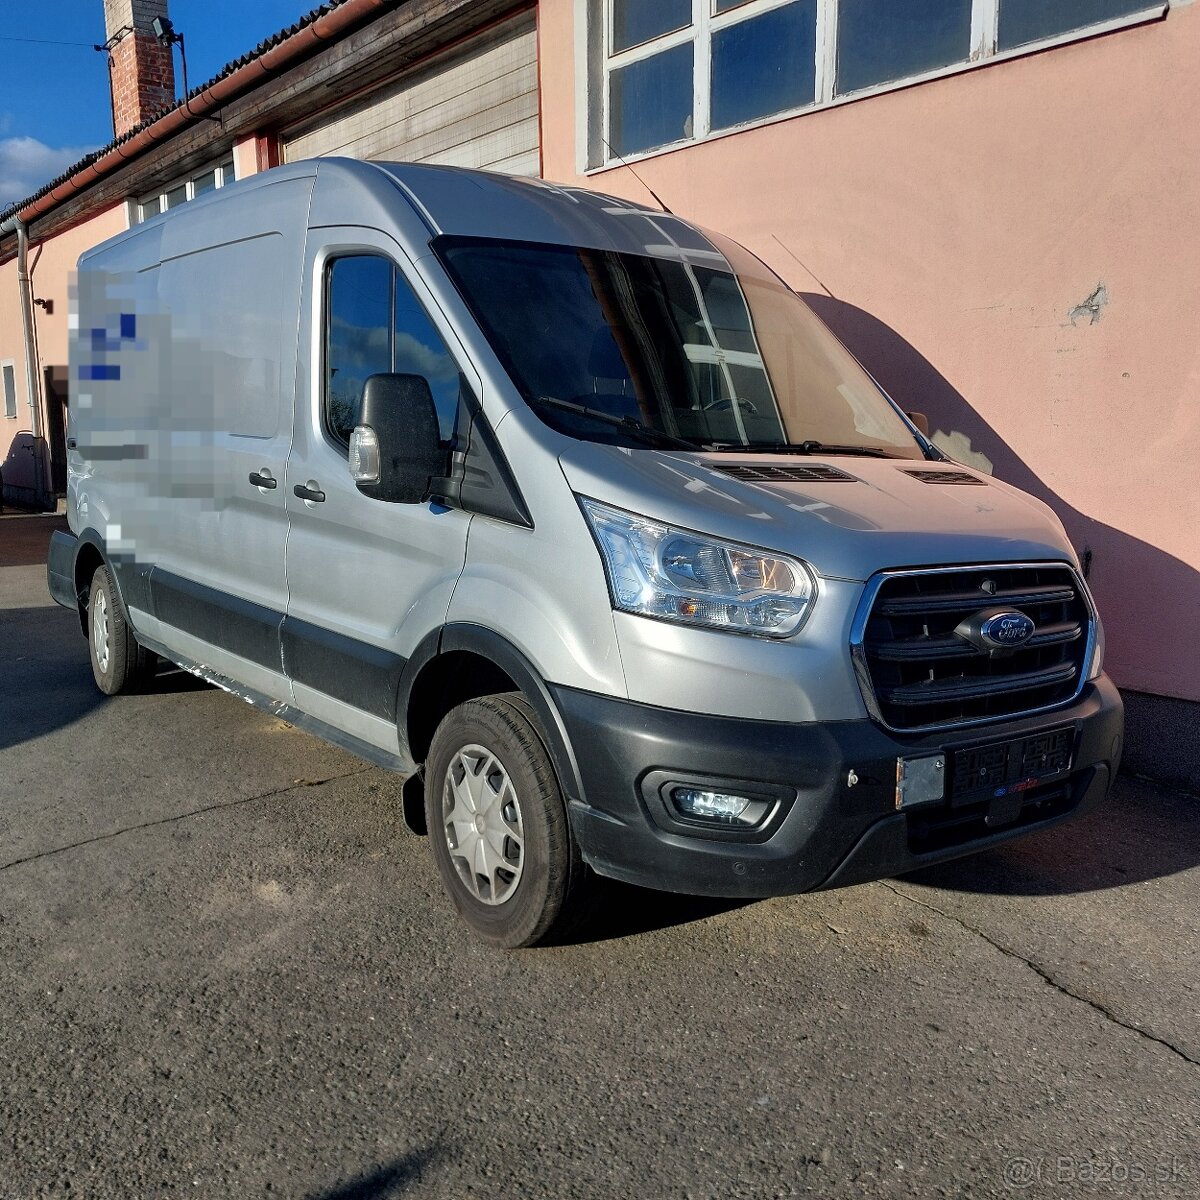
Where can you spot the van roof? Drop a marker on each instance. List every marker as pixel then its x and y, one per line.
pixel 462 202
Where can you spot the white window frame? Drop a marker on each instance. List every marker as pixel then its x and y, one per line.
pixel 188 182
pixel 985 21
pixel 16 404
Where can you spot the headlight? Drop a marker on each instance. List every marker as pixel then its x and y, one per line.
pixel 658 571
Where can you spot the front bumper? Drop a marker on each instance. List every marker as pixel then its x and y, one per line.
pixel 825 831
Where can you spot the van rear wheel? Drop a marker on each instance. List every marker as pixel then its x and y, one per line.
pixel 119 664
pixel 498 825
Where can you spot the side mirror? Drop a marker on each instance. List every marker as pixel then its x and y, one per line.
pixel 921 421
pixel 395 448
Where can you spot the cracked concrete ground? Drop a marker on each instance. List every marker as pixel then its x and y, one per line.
pixel 227 970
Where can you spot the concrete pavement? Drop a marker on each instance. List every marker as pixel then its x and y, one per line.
pixel 226 969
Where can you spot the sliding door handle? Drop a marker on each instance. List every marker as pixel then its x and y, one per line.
pixel 263 481
pixel 311 494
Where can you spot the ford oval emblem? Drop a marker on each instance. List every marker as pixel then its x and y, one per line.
pixel 997 631
pixel 1006 629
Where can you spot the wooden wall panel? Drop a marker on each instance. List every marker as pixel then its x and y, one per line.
pixel 477 108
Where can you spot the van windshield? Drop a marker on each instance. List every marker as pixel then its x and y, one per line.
pixel 689 350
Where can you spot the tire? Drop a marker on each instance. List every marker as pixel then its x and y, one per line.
pixel 119 664
pixel 535 886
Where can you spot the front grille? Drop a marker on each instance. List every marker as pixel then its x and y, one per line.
pixel 917 672
pixel 766 473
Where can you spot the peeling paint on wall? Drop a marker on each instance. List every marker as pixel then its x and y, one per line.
pixel 1091 307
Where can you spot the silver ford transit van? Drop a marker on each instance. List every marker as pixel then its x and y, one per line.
pixel 577 517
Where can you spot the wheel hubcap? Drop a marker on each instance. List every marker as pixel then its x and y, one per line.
pixel 481 819
pixel 100 630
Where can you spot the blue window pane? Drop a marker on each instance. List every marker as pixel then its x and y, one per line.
pixel 651 101
pixel 764 65
pixel 1024 21
pixel 419 350
pixel 637 21
pixel 725 5
pixel 883 40
pixel 358 337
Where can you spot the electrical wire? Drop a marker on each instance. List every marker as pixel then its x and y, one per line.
pixel 48 42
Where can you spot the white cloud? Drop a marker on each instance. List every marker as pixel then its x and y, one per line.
pixel 27 164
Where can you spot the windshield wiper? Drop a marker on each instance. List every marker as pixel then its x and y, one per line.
pixel 809 447
pixel 646 432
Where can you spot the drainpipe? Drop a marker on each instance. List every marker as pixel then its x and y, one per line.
pixel 32 382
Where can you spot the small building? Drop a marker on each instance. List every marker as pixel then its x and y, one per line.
pixel 990 201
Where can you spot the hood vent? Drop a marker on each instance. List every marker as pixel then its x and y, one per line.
pixel 960 477
pixel 766 473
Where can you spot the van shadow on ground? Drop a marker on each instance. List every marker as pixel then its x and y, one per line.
pixel 388 1181
pixel 45 681
pixel 1141 833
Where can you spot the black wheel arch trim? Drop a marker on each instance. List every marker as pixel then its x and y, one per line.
pixel 130 578
pixel 61 556
pixel 497 649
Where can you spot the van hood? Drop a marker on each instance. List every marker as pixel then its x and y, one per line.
pixel 886 513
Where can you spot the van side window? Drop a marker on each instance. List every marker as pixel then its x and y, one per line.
pixel 358 340
pixel 374 323
pixel 419 350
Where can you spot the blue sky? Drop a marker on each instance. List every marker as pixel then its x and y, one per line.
pixel 54 104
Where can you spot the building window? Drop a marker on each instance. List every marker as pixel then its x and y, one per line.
pixel 1026 21
pixel 665 72
pixel 8 381
pixel 881 43
pixel 180 191
pixel 764 63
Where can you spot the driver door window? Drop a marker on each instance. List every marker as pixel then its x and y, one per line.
pixel 375 324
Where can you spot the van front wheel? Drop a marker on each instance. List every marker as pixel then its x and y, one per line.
pixel 498 825
pixel 119 664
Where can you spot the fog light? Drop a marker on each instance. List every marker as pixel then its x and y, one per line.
pixel 712 806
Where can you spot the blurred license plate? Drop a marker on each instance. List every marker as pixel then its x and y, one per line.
pixel 1006 768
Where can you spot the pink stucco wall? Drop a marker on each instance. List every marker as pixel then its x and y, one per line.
pixel 958 223
pixel 51 264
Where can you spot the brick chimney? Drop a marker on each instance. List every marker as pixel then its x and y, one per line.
pixel 143 70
